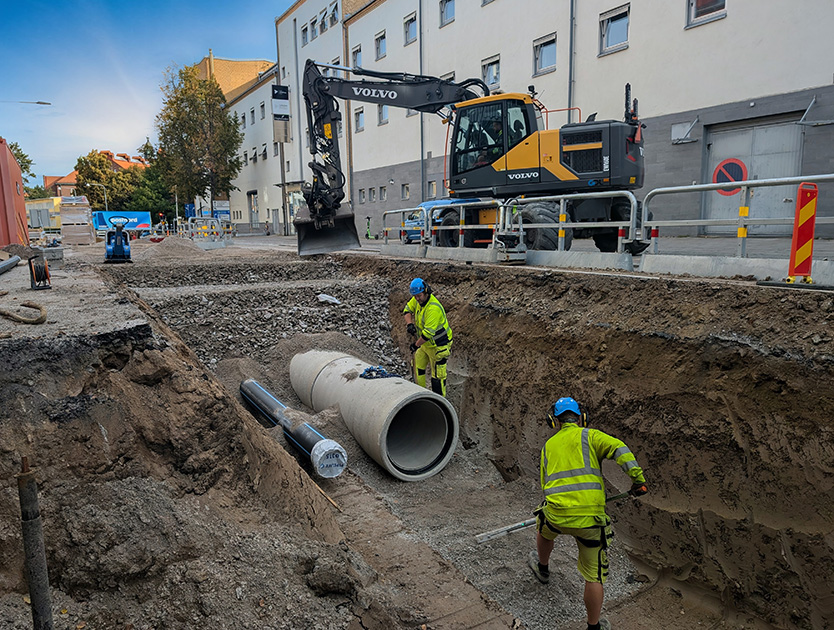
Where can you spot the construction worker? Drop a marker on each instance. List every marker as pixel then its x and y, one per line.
pixel 574 504
pixel 425 318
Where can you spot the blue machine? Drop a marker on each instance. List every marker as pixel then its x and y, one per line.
pixel 117 245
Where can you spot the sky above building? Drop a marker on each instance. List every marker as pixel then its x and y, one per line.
pixel 100 64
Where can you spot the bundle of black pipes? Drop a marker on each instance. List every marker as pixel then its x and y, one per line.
pixel 328 457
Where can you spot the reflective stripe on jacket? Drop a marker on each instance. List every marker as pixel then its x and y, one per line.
pixel 431 321
pixel 570 470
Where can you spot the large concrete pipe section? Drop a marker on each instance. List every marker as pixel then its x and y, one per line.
pixel 408 430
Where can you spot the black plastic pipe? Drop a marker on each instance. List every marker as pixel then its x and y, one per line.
pixel 328 458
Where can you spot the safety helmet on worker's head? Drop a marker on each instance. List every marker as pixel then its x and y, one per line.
pixel 561 406
pixel 418 285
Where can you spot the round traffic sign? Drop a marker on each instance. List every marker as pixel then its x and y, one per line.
pixel 731 170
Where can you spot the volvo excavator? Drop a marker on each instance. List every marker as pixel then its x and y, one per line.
pixel 499 149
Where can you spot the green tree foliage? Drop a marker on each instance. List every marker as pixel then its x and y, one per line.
pixel 23 160
pixel 199 138
pixel 36 192
pixel 95 168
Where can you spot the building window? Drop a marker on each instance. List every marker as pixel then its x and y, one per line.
pixel 702 11
pixel 252 116
pixel 544 54
pixel 339 128
pixel 613 30
pixel 371 194
pixel 245 158
pixel 410 29
pixel 356 57
pixel 334 15
pixel 305 35
pixel 491 71
pixel 404 194
pixel 359 119
pixel 433 189
pixel 323 22
pixel 314 29
pixel 243 121
pixel 283 72
pixel 275 150
pixel 361 195
pixel 263 110
pixel 263 151
pixel 288 166
pixel 449 76
pixel 447 12
pixel 383 193
pixel 254 155
pixel 382 114
pixel 379 45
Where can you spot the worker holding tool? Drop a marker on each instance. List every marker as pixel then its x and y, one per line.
pixel 574 505
pixel 425 318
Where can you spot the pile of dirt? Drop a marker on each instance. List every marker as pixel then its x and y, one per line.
pixel 171 248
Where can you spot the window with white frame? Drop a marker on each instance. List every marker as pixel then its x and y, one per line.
pixel 382 114
pixel 379 45
pixel 243 121
pixel 245 158
pixel 613 30
pixel 323 22
pixel 263 151
pixel 544 54
pixel 263 110
pixel 314 28
pixel 447 12
pixel 383 193
pixel 361 195
pixel 334 14
pixel 275 149
pixel 336 62
pixel 288 166
pixel 254 154
pixel 432 192
pixel 371 194
pixel 410 29
pixel 305 35
pixel 359 119
pixel 491 71
pixel 283 72
pixel 702 11
pixel 252 116
pixel 404 192
pixel 356 57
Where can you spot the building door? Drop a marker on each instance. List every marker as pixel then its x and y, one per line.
pixel 763 151
pixel 252 204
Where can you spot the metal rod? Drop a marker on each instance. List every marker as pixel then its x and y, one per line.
pixel 33 548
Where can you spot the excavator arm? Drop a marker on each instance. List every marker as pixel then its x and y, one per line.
pixel 325 225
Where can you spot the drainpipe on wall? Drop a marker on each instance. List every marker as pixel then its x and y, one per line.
pixel 571 57
pixel 299 100
pixel 285 213
pixel 348 117
pixel 422 115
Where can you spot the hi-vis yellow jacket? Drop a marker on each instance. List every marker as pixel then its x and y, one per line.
pixel 570 471
pixel 431 321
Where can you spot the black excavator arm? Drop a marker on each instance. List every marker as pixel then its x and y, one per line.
pixel 326 226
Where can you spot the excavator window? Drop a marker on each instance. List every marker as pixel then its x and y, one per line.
pixel 479 137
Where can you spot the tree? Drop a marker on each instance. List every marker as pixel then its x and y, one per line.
pixel 23 160
pixel 199 138
pixel 95 168
pixel 36 192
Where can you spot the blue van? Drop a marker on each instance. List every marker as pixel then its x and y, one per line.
pixel 439 209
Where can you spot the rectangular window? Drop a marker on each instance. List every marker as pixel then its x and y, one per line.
pixel 702 11
pixel 314 29
pixel 334 15
pixel 359 119
pixel 410 29
pixel 252 116
pixel 263 110
pixel 449 76
pixel 339 128
pixel 323 22
pixel 613 30
pixel 383 193
pixel 305 35
pixel 361 195
pixel 447 12
pixel 433 189
pixel 379 45
pixel 254 155
pixel 275 150
pixel 243 121
pixel 263 151
pixel 283 72
pixel 382 114
pixel 288 166
pixel 245 158
pixel 404 193
pixel 491 71
pixel 356 57
pixel 371 194
pixel 544 54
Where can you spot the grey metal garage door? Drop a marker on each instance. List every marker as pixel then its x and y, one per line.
pixel 763 151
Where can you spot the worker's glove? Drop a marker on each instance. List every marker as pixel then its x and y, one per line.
pixel 411 329
pixel 638 489
pixel 413 348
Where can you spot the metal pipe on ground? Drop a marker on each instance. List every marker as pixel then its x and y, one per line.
pixel 33 548
pixel 9 264
pixel 408 430
pixel 328 457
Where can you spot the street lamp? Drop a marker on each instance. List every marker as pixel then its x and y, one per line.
pixel 28 102
pixel 105 193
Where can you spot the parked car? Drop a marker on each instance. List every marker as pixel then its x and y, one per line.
pixel 416 220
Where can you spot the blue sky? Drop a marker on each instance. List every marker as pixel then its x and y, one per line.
pixel 100 63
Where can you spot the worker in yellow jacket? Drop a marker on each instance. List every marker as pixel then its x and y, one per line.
pixel 426 319
pixel 571 478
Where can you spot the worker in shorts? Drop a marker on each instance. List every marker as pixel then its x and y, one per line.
pixel 574 505
pixel 426 319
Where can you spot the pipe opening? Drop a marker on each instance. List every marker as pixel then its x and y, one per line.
pixel 419 436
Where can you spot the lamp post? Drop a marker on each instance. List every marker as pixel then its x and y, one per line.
pixel 28 102
pixel 105 193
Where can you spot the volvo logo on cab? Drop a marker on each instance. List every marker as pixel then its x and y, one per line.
pixel 374 93
pixel 528 175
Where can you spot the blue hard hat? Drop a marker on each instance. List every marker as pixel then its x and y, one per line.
pixel 418 285
pixel 565 404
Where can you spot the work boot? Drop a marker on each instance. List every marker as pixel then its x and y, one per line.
pixel 603 624
pixel 533 563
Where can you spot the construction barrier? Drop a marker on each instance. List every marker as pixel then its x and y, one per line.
pixel 802 244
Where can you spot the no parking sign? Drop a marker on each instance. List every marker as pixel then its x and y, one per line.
pixel 731 170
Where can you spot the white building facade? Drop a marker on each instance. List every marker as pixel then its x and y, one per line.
pixel 726 87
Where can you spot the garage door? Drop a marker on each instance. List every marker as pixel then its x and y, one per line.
pixel 763 151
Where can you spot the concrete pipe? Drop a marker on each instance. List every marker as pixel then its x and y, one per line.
pixel 408 430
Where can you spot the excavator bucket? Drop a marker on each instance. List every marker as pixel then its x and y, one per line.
pixel 336 234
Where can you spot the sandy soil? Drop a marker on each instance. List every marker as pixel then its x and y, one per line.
pixel 166 504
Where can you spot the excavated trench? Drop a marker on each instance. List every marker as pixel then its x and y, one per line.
pixel 722 389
